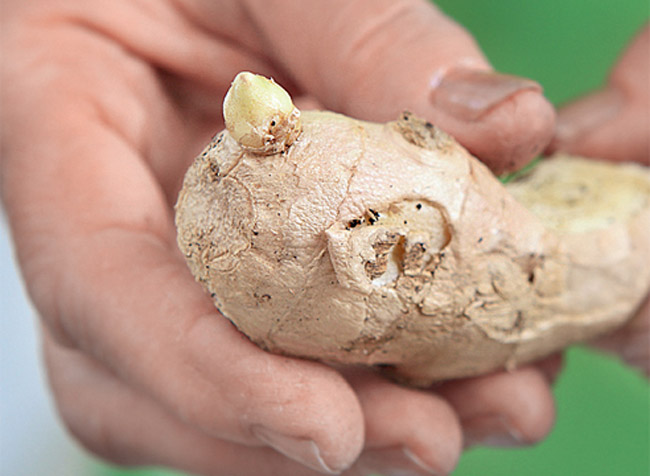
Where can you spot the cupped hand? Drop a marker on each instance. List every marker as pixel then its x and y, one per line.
pixel 104 106
pixel 614 124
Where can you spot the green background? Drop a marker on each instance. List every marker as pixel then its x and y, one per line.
pixel 603 408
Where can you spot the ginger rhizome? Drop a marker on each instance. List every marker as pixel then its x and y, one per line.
pixel 329 238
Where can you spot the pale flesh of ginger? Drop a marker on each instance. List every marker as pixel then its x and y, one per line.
pixel 571 195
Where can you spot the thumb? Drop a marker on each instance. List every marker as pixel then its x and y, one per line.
pixel 614 122
pixel 372 59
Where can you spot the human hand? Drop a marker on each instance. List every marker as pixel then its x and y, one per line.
pixel 613 124
pixel 104 107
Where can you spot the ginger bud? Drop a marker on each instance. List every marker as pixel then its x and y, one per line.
pixel 260 115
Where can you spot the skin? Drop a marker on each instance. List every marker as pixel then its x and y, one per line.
pixel 104 106
pixel 389 245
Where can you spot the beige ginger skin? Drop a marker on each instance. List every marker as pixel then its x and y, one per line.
pixel 345 241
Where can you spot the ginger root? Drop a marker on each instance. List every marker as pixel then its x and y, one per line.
pixel 329 238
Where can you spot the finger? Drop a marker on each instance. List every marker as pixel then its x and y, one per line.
pixel 406 429
pixel 632 342
pixel 373 59
pixel 614 122
pixel 503 409
pixel 119 424
pixel 550 367
pixel 161 33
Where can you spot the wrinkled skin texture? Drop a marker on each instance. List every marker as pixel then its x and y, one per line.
pixel 104 107
pixel 388 244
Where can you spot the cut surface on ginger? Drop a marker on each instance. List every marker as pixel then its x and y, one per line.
pixel 389 245
pixel 572 195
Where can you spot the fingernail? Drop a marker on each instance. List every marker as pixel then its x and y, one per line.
pixel 394 462
pixel 468 94
pixel 491 430
pixel 585 115
pixel 419 463
pixel 303 450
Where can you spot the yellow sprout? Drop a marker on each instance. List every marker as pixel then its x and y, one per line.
pixel 260 115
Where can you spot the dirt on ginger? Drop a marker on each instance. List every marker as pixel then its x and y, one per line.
pixel 389 245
